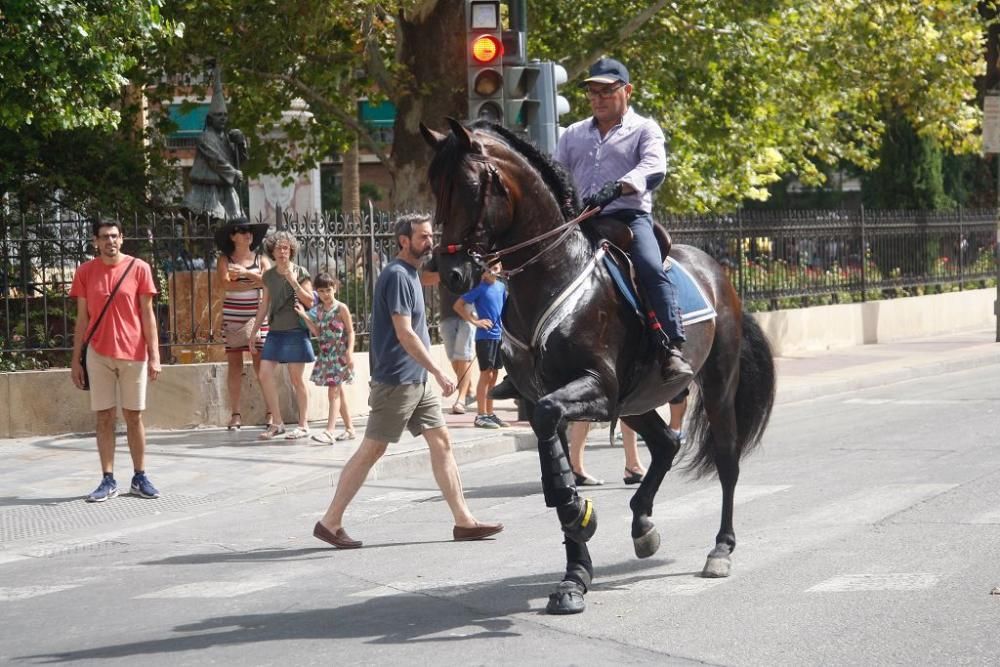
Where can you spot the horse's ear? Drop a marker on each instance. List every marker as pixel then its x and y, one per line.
pixel 464 138
pixel 434 139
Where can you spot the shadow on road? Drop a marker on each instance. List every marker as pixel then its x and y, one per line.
pixel 431 615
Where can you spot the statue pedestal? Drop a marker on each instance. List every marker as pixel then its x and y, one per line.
pixel 195 317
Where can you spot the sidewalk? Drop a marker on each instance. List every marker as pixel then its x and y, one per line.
pixel 44 478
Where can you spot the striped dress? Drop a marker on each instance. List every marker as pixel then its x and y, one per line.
pixel 239 306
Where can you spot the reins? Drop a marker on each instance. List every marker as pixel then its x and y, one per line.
pixel 491 258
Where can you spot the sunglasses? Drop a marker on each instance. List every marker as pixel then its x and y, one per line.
pixel 603 93
pixel 241 230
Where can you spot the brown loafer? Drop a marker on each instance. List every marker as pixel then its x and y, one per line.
pixel 477 532
pixel 339 539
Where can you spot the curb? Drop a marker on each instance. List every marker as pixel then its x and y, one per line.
pixel 840 386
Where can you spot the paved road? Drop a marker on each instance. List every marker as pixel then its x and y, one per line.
pixel 867 527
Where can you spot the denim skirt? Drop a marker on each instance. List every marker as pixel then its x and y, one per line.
pixel 291 346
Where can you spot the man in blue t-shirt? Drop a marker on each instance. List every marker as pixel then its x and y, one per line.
pixel 487 299
pixel 400 396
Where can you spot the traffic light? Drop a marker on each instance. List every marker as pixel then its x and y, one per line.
pixel 544 130
pixel 520 106
pixel 484 38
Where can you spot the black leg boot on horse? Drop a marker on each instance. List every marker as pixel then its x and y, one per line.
pixel 579 522
pixel 576 515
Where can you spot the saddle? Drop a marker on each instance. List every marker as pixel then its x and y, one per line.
pixel 619 234
pixel 616 237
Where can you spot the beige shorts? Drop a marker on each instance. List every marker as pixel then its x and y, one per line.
pixel 398 406
pixel 108 374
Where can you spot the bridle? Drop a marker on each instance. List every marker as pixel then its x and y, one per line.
pixel 475 241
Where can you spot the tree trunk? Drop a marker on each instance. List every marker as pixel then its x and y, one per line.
pixel 350 186
pixel 432 53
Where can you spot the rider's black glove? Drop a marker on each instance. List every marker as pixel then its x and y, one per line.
pixel 609 192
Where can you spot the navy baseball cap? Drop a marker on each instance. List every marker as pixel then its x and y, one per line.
pixel 607 70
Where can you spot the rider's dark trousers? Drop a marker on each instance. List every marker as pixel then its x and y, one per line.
pixel 660 291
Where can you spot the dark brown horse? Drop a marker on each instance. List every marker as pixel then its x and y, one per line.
pixel 574 350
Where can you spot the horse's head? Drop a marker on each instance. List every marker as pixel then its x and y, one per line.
pixel 474 201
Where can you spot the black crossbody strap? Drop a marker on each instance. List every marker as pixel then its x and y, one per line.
pixel 107 303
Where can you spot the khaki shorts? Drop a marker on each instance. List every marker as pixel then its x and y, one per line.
pixel 108 374
pixel 398 406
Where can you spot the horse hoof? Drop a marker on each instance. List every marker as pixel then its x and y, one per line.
pixel 717 567
pixel 647 545
pixel 583 527
pixel 567 599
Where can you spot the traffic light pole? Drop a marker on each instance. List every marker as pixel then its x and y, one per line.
pixel 518 12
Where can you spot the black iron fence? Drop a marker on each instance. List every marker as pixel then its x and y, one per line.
pixel 790 259
pixel 775 259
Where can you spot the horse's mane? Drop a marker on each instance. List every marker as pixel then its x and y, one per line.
pixel 447 161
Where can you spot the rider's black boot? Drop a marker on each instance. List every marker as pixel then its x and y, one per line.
pixel 673 367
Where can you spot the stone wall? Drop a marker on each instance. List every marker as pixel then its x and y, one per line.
pixel 45 402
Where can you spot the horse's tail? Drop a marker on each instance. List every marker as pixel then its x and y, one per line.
pixel 753 402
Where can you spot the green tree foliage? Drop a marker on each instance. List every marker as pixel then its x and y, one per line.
pixel 61 61
pixel 909 175
pixel 70 135
pixel 748 90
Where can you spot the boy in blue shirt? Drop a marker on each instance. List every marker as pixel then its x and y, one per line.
pixel 487 298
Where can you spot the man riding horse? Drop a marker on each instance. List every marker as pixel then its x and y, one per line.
pixel 617 158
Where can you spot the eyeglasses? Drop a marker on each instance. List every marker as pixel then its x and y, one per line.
pixel 604 93
pixel 241 230
pixel 109 237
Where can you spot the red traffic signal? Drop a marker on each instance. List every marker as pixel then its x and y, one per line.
pixel 486 49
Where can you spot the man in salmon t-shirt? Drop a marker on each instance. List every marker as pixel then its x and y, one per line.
pixel 123 351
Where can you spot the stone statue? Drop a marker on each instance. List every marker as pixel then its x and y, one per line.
pixel 216 173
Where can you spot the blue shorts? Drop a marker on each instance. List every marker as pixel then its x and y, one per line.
pixel 291 346
pixel 457 335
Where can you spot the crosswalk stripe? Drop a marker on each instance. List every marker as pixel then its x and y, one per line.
pixel 913 401
pixel 212 589
pixel 709 501
pixel 992 516
pixel 898 581
pixel 25 592
pixel 870 505
pixel 774 542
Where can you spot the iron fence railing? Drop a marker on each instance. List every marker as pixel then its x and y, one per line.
pixel 781 259
pixel 775 259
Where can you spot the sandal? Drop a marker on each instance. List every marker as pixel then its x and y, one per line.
pixel 271 432
pixel 268 420
pixel 633 476
pixel 297 433
pixel 235 422
pixel 346 435
pixel 325 437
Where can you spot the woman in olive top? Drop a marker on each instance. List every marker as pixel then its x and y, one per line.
pixel 288 338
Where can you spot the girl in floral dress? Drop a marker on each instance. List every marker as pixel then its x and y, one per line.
pixel 330 321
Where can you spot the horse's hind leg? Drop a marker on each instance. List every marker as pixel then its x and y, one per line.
pixel 721 437
pixel 663 446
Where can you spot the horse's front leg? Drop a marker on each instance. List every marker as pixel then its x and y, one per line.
pixel 663 446
pixel 583 396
